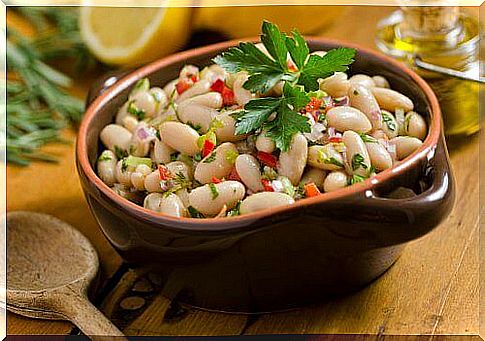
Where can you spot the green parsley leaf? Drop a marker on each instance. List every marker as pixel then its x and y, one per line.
pixel 120 153
pixel 194 213
pixel 388 120
pixel 367 138
pixel 210 158
pixel 355 179
pixel 104 157
pixel 235 211
pixel 198 157
pixel 256 112
pixel 322 67
pixel 142 85
pixel 295 96
pixel 214 191
pixel 134 161
pixel 135 111
pixel 285 126
pixel 358 161
pixel 298 49
pixel 275 43
pixel 174 156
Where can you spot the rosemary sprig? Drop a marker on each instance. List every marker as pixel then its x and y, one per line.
pixel 38 105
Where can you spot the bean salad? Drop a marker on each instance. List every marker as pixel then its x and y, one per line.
pixel 233 138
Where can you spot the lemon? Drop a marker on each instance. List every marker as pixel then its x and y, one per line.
pixel 245 21
pixel 132 36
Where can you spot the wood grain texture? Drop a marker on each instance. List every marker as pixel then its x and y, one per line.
pixel 432 289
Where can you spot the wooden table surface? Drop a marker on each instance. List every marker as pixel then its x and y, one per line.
pixel 432 289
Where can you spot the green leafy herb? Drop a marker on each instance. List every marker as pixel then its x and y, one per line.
pixel 329 160
pixel 265 72
pixel 210 158
pixel 388 120
pixel 120 153
pixel 174 156
pixel 214 191
pixel 231 156
pixel 104 157
pixel 196 127
pixel 235 211
pixel 198 157
pixel 142 85
pixel 135 111
pixel 355 179
pixel 358 161
pixel 368 138
pixel 194 213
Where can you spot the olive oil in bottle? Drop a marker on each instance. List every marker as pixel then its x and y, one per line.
pixel 443 36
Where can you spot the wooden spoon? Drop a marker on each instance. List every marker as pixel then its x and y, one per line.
pixel 50 266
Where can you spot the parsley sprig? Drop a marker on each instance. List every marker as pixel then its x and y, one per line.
pixel 265 72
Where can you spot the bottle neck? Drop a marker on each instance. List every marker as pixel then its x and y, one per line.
pixel 430 23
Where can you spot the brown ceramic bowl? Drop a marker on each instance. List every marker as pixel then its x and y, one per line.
pixel 288 256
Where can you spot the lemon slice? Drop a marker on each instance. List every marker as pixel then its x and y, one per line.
pixel 132 36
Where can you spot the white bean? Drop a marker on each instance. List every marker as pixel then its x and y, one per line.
pixel 391 100
pixel 248 169
pixel 264 200
pixel 169 88
pixel 122 113
pixel 179 167
pixel 138 176
pixel 325 157
pixel 126 193
pixel 212 73
pixel 123 174
pixel 363 99
pixel 335 180
pixel 219 163
pixel 348 118
pixel 130 123
pixel 180 137
pixel 363 80
pixel 114 135
pixel 152 182
pixel 199 88
pixel 161 153
pixel 357 155
pixel 241 95
pixel 379 156
pixel 200 110
pixel 107 167
pixel 170 205
pixel 188 71
pixel 227 131
pixel 389 124
pixel 315 175
pixel 292 162
pixel 381 82
pixel 265 144
pixel 405 145
pixel 209 202
pixel 183 194
pixel 336 85
pixel 415 125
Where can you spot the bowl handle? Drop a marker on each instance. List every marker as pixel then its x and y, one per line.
pixel 413 216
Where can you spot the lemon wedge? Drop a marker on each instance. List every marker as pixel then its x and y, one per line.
pixel 129 36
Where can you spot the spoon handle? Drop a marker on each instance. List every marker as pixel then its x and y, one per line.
pixel 87 317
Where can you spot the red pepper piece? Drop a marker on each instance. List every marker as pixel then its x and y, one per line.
pixel 267 159
pixel 335 139
pixel 193 78
pixel 311 190
pixel 182 86
pixel 267 185
pixel 216 180
pixel 164 173
pixel 228 96
pixel 208 147
pixel 218 85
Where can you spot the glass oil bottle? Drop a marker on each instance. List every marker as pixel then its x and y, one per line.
pixel 444 36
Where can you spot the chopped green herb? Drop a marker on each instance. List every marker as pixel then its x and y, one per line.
pixel 157 134
pixel 358 161
pixel 198 157
pixel 355 179
pixel 142 85
pixel 231 156
pixel 120 153
pixel 235 211
pixel 322 117
pixel 210 158
pixel 368 138
pixel 317 94
pixel 329 160
pixel 214 191
pixel 174 156
pixel 216 123
pixel 104 157
pixel 196 127
pixel 288 187
pixel 210 135
pixel 194 213
pixel 389 121
pixel 133 110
